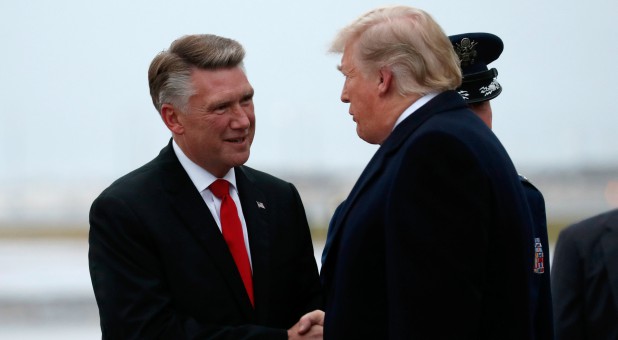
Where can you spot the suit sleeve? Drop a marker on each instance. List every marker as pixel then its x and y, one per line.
pixel 130 288
pixel 567 288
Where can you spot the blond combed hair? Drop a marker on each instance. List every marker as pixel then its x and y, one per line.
pixel 410 42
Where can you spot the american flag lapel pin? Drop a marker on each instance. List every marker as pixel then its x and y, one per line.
pixel 260 205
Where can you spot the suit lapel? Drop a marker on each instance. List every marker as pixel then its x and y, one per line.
pixel 445 101
pixel 609 242
pixel 192 210
pixel 256 212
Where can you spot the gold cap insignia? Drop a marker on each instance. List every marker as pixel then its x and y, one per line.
pixel 466 51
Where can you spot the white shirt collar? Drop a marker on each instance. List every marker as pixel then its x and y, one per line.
pixel 415 106
pixel 201 178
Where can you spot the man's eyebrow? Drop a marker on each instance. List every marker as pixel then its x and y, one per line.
pixel 222 102
pixel 227 102
pixel 248 95
pixel 339 68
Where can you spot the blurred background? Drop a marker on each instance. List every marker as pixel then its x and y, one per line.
pixel 76 114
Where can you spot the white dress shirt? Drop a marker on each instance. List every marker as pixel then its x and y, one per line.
pixel 202 179
pixel 415 106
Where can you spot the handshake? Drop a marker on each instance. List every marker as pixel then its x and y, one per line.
pixel 310 326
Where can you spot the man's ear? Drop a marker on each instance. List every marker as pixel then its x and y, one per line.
pixel 386 80
pixel 170 116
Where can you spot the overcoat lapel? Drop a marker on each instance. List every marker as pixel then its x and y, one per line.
pixel 445 101
pixel 609 242
pixel 193 212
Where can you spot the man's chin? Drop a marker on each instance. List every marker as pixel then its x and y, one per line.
pixel 238 160
pixel 368 139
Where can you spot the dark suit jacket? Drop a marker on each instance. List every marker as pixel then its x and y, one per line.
pixel 585 279
pixel 540 281
pixel 161 269
pixel 434 240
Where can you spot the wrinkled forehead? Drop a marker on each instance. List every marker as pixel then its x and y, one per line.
pixel 221 82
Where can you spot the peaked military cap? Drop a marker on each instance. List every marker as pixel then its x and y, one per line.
pixel 475 52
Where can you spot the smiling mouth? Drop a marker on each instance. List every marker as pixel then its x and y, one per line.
pixel 236 140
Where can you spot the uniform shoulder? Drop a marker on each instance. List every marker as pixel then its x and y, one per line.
pixel 526 181
pixel 528 186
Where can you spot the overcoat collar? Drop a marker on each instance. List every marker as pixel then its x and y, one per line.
pixel 445 101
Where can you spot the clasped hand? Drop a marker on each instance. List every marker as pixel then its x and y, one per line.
pixel 310 326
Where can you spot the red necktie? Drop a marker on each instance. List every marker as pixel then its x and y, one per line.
pixel 232 232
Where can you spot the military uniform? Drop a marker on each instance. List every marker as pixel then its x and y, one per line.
pixel 480 84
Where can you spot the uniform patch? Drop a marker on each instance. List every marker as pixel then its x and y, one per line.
pixel 539 257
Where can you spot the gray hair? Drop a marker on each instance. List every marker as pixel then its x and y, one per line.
pixel 410 42
pixel 169 74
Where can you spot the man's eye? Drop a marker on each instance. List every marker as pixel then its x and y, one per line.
pixel 220 109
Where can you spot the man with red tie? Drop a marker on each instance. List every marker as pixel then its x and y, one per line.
pixel 194 244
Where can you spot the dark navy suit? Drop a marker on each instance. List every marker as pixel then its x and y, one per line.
pixel 434 240
pixel 585 279
pixel 161 269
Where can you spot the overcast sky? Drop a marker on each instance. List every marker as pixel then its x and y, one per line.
pixel 75 102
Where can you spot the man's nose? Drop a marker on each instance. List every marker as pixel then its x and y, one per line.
pixel 344 95
pixel 240 119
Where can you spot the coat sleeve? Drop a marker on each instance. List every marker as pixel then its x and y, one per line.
pixel 129 283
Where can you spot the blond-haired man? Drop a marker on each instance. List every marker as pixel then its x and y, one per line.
pixel 431 242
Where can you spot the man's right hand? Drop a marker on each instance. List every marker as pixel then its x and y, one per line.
pixel 310 326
